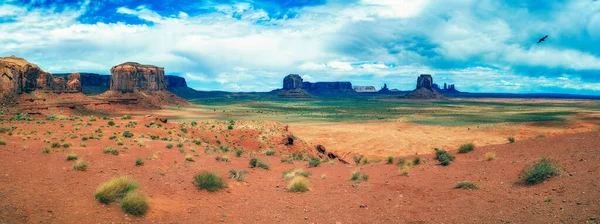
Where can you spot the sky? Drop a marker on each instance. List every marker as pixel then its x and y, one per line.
pixel 251 45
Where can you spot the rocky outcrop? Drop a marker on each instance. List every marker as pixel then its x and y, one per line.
pixel 20 76
pixel 364 89
pixel 292 81
pixel 425 81
pixel 293 94
pixel 448 88
pixel 131 76
pixel 328 87
pixel 424 90
pixel 175 81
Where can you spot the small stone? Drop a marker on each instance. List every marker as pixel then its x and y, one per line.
pixel 362 206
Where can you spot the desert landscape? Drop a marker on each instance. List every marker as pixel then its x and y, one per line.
pixel 308 112
pixel 138 153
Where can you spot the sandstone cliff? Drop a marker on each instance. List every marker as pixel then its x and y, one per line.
pixel 131 76
pixel 19 76
pixel 424 90
pixel 292 81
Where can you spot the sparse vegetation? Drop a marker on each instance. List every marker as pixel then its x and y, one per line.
pixel 237 175
pixel 189 158
pixel 114 189
pixel 466 148
pixel 2 142
pixel 548 199
pixel 416 161
pixel 314 162
pixel 390 160
pixel 270 152
pixel 125 117
pixel 257 163
pixel 298 184
pixel 72 156
pixel 540 170
pixel 511 139
pixel 209 181
pixel 238 153
pixel 169 146
pixel 288 174
pixel 139 161
pixel 111 150
pixel 443 157
pixel 127 134
pixel 135 203
pixel 466 185
pixel 489 156
pixel 80 165
pixel 111 123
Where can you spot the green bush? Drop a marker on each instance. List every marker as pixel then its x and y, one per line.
pixel 169 146
pixel 197 141
pixel 139 161
pixel 466 148
pixel 72 156
pixel 125 117
pixel 238 153
pixel 540 170
pixel 390 160
pixel 111 150
pixel 444 157
pixel 355 176
pixel 417 161
pixel 114 189
pixel 80 165
pixel 466 185
pixel 134 203
pixel 84 138
pixel 111 123
pixel 237 175
pixel 270 152
pixel 288 174
pixel 230 127
pixel 511 139
pixel 257 163
pixel 2 142
pixel 314 162
pixel 127 134
pixel 209 181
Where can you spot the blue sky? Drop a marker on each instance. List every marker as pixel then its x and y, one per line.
pixel 236 45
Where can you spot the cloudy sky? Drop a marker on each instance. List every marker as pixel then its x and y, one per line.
pixel 237 45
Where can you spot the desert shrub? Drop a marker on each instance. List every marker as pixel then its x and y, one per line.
pixel 489 156
pixel 257 163
pixel 184 130
pixel 197 141
pixel 222 159
pixel 114 189
pixel 237 175
pixel 72 156
pixel 314 162
pixel 51 118
pixel 84 138
pixel 466 185
pixel 355 175
pixel 112 137
pixel 180 145
pixel 511 139
pixel 125 117
pixel 139 161
pixel 66 145
pixel 169 146
pixel 230 127
pixel 127 134
pixel 548 199
pixel 45 149
pixel 540 170
pixel 154 137
pixel 357 159
pixel 364 177
pixel 111 150
pixel 416 161
pixel 189 158
pixel 134 203
pixel 55 145
pixel 111 123
pixel 238 153
pixel 194 123
pixel 298 184
pixel 2 142
pixel 466 148
pixel 270 152
pixel 390 160
pixel 401 162
pixel 80 165
pixel 443 157
pixel 209 181
pixel 288 174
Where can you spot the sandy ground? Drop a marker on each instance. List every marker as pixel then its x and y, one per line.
pixel 382 139
pixel 38 187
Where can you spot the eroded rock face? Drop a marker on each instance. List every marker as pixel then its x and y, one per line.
pixel 364 89
pixel 292 81
pixel 425 81
pixel 20 76
pixel 175 81
pixel 131 76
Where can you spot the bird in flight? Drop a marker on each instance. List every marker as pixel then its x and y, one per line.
pixel 542 39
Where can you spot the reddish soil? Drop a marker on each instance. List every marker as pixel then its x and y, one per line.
pixel 43 188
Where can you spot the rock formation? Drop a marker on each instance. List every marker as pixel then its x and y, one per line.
pixel 328 87
pixel 175 81
pixel 20 76
pixel 131 76
pixel 364 89
pixel 292 81
pixel 448 88
pixel 424 89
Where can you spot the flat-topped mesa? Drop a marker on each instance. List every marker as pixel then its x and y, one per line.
pixel 132 76
pixel 328 87
pixel 175 81
pixel 20 76
pixel 364 89
pixel 424 90
pixel 292 81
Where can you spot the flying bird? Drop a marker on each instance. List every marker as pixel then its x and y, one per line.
pixel 542 39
